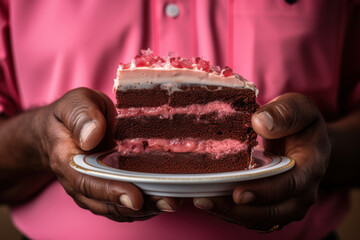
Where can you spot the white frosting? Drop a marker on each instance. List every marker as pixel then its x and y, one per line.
pixel 171 78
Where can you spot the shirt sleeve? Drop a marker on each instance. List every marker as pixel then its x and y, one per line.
pixel 349 89
pixel 9 97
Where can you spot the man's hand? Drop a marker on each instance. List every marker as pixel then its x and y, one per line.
pixel 291 126
pixel 81 121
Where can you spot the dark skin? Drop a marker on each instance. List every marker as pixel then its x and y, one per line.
pixel 52 136
pixel 82 122
pixel 292 126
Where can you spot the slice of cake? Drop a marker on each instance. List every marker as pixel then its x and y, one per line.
pixel 177 115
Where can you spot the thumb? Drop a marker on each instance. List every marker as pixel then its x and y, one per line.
pixel 284 116
pixel 82 112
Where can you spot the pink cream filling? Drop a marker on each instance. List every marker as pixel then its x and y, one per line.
pixel 165 111
pixel 217 148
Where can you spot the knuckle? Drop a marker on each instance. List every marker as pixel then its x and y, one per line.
pixel 55 166
pixel 228 211
pixel 71 191
pixel 58 157
pixel 79 202
pixel 288 113
pixel 272 213
pixel 113 210
pixel 76 116
pixel 283 111
pixel 82 186
pixel 110 192
pixel 121 214
pixel 294 111
pixel 70 108
pixel 54 162
pixel 293 185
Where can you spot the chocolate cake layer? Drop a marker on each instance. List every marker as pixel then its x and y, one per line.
pixel 178 115
pixel 236 126
pixel 180 163
pixel 241 99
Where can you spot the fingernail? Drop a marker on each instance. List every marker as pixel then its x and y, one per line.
pixel 126 201
pixel 265 119
pixel 204 203
pixel 162 205
pixel 86 130
pixel 245 197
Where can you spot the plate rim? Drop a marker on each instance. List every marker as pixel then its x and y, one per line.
pixel 286 163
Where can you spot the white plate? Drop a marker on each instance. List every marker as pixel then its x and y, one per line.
pixel 181 185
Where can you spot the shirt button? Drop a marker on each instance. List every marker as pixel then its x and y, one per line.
pixel 172 10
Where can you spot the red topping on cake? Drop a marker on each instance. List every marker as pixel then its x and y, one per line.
pixel 203 65
pixel 148 54
pixel 175 62
pixel 227 72
pixel 196 60
pixel 157 62
pixel 140 61
pixel 148 59
pixel 186 63
pixel 125 65
pixel 215 69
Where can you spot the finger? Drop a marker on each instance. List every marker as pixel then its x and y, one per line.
pixel 112 211
pixel 301 178
pixel 310 149
pixel 218 206
pixel 63 150
pixel 96 188
pixel 256 217
pixel 208 203
pixel 84 113
pixel 166 204
pixel 119 193
pixel 284 116
pixel 276 189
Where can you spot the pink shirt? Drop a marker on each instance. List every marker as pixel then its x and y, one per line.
pixel 50 47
